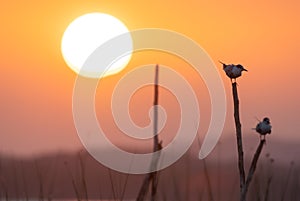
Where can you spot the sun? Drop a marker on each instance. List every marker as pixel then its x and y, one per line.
pixel 84 35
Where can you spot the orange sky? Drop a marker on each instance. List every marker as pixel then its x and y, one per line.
pixel 36 84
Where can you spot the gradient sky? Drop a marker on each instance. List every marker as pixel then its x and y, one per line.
pixel 37 85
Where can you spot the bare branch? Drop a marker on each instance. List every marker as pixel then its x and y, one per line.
pixel 252 169
pixel 152 177
pixel 238 135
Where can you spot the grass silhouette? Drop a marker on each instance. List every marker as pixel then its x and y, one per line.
pixel 244 181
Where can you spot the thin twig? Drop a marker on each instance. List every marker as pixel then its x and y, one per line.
pixel 154 186
pixel 40 179
pixel 152 177
pixel 287 181
pixel 252 170
pixel 270 178
pixel 125 184
pixel 155 103
pixel 124 187
pixel 156 145
pixel 112 185
pixel 83 179
pixel 268 188
pixel 238 135
pixel 3 183
pixel 210 195
pixel 24 181
pixel 52 179
pixel 76 190
pixel 144 188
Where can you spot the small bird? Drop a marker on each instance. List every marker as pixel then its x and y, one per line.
pixel 233 71
pixel 264 127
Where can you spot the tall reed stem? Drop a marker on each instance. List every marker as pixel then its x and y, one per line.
pixel 238 127
pixel 156 145
pixel 244 184
pixel 252 170
pixel 152 177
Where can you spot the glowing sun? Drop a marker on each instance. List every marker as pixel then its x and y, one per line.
pixel 84 35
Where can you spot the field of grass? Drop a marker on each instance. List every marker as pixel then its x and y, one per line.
pixel 79 177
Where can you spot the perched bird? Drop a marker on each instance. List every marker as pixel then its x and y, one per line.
pixel 264 127
pixel 233 71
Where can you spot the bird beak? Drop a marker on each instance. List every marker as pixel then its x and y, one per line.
pixel 245 70
pixel 222 62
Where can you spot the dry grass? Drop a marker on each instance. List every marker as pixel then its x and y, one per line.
pixel 244 182
pixel 186 180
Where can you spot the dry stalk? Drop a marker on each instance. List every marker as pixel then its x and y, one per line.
pixel 76 190
pixel 152 177
pixel 238 127
pixel 209 189
pixel 244 184
pixel 252 170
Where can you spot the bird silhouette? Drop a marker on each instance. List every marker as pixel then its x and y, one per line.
pixel 264 127
pixel 233 71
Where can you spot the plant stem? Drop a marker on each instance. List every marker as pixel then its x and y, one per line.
pixel 112 184
pixel 152 177
pixel 252 170
pixel 268 188
pixel 82 174
pixel 76 190
pixel 210 195
pixel 156 145
pixel 238 135
pixel 287 182
pixel 144 189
